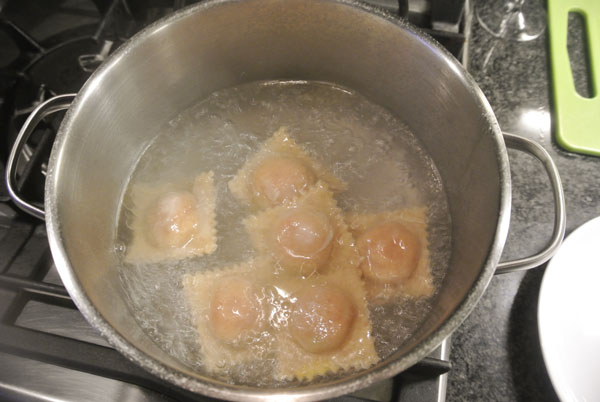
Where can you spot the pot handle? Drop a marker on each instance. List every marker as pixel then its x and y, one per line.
pixel 560 220
pixel 52 105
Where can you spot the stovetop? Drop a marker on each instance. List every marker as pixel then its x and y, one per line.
pixel 47 349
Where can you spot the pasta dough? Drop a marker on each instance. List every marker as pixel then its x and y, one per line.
pixel 305 236
pixel 278 173
pixel 394 253
pixel 230 310
pixel 173 221
pixel 328 327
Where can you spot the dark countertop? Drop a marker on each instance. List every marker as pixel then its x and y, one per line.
pixel 496 353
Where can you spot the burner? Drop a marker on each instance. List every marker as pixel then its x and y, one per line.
pixel 58 63
pixel 39 70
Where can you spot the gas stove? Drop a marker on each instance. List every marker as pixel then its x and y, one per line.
pixel 47 349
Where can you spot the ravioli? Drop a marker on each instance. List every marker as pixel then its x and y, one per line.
pixel 328 327
pixel 230 310
pixel 173 221
pixel 394 253
pixel 305 236
pixel 278 173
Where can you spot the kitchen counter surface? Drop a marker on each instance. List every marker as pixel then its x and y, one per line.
pixel 496 353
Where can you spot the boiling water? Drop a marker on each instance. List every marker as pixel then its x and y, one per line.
pixel 361 142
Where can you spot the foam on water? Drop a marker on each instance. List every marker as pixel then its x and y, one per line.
pixel 361 142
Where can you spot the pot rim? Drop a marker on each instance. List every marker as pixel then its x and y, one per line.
pixel 218 389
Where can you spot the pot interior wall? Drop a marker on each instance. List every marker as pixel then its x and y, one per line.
pixel 174 65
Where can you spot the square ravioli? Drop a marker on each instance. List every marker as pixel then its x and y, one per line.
pixel 394 253
pixel 230 309
pixel 305 236
pixel 279 172
pixel 328 327
pixel 173 221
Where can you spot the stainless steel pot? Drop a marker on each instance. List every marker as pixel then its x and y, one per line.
pixel 183 58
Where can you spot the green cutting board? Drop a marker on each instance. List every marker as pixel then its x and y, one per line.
pixel 577 118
